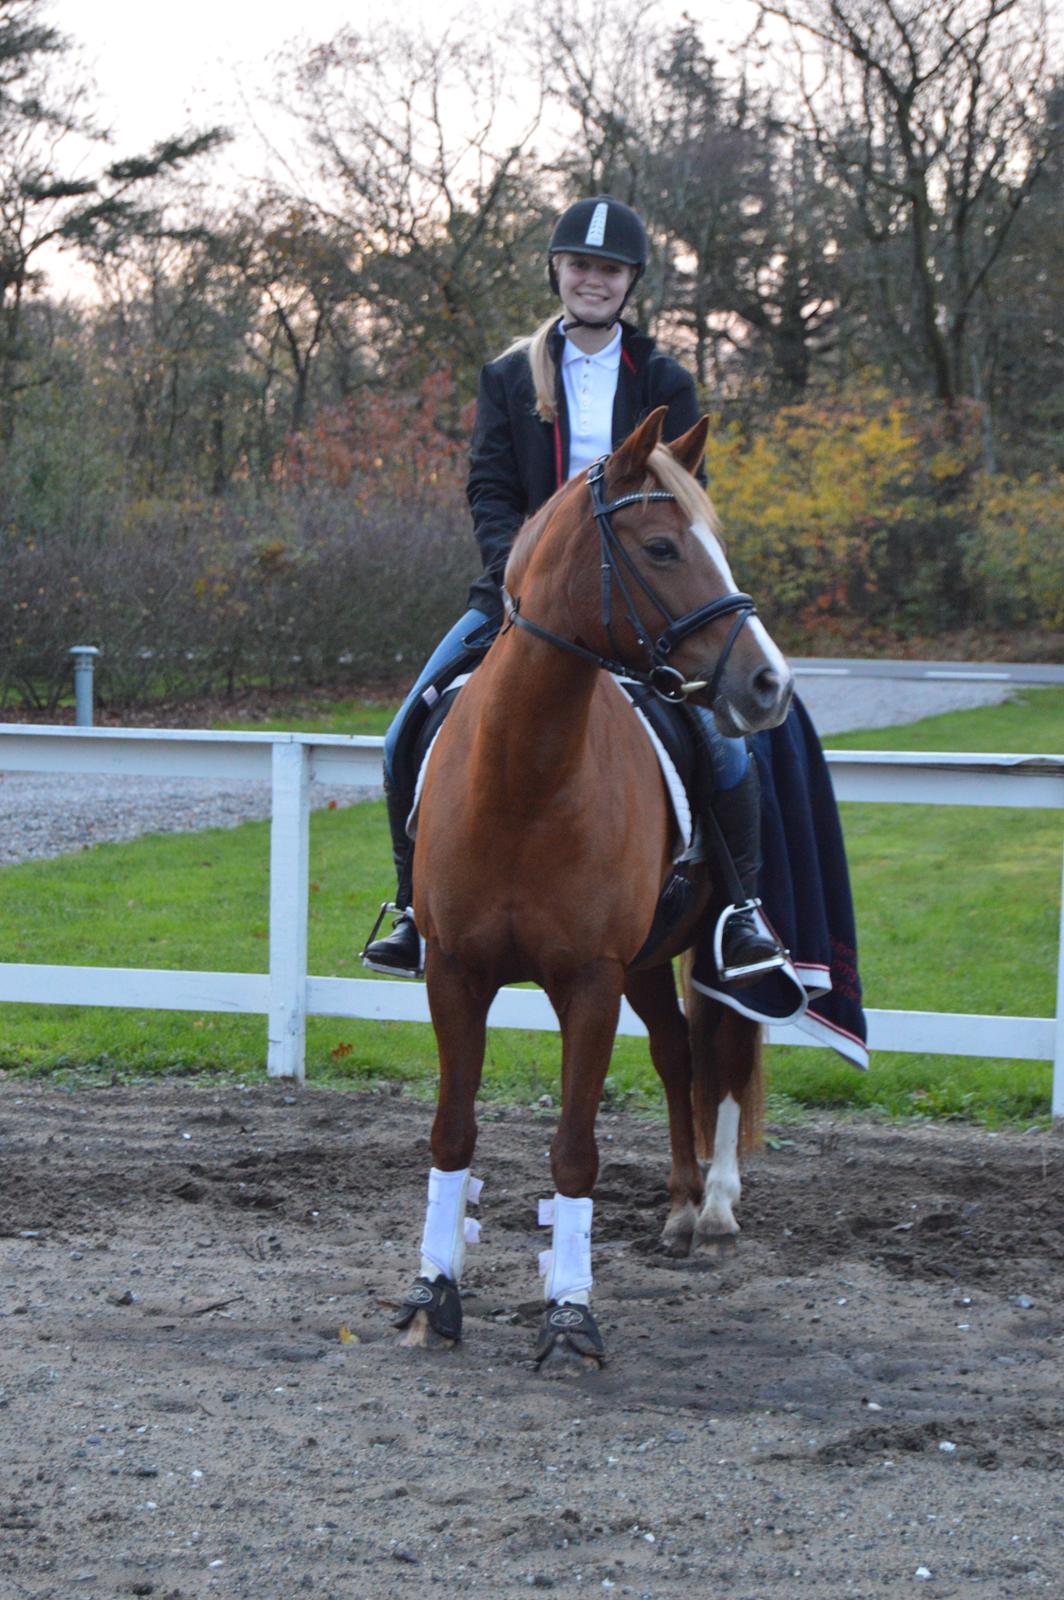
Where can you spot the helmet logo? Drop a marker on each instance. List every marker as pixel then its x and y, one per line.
pixel 596 228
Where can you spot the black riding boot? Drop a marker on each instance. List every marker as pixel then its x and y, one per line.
pixel 745 948
pixel 399 954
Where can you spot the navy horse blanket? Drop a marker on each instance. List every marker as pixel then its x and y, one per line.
pixel 805 894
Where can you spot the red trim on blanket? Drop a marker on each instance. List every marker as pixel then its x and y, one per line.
pixel 835 1027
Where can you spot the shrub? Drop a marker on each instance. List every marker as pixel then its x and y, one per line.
pixel 347 566
pixel 1015 552
pixel 206 597
pixel 847 513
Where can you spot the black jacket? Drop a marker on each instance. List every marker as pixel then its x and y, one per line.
pixel 516 461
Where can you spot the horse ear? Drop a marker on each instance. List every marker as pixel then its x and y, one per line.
pixel 630 459
pixel 690 449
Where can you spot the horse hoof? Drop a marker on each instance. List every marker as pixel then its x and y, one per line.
pixel 421 1335
pixel 567 1332
pixel 718 1246
pixel 676 1248
pixel 430 1314
pixel 679 1231
pixel 675 1245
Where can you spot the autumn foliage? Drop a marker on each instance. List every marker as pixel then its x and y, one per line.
pixel 406 446
pixel 869 514
pixel 858 524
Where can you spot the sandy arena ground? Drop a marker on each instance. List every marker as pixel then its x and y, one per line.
pixel 865 1400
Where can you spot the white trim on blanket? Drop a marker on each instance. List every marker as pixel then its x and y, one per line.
pixel 673 782
pixel 796 1016
pixel 411 821
pixel 836 1038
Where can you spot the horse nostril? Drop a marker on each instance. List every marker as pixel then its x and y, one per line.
pixel 767 686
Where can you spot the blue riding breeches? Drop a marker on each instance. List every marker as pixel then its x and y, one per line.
pixel 730 756
pixel 449 649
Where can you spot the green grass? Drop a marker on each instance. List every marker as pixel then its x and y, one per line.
pixel 957 910
pixel 1030 724
pixel 356 715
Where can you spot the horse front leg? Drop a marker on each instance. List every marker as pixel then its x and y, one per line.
pixel 652 996
pixel 431 1313
pixel 587 1004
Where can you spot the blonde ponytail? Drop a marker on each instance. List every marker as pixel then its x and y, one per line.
pixel 544 371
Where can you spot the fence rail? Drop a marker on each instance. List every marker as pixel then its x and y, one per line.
pixel 287 994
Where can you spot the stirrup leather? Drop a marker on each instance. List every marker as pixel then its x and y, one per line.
pixel 749 969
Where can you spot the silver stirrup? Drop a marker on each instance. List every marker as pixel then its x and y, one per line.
pixel 729 974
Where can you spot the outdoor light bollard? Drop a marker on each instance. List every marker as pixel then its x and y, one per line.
pixel 84 664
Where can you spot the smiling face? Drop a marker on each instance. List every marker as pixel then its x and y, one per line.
pixel 592 287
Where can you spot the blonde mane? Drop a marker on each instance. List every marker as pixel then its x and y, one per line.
pixel 665 473
pixel 691 498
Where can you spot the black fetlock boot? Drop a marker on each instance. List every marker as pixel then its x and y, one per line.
pixel 745 947
pixel 398 955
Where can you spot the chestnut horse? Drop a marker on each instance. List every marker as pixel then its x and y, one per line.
pixel 544 837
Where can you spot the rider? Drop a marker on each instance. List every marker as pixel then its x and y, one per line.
pixel 547 408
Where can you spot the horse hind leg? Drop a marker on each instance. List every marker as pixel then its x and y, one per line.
pixel 728 1108
pixel 652 995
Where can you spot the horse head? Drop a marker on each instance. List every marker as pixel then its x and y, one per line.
pixel 632 553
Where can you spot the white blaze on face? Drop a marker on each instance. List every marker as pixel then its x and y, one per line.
pixel 765 643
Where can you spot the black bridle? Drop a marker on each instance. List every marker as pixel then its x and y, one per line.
pixel 666 681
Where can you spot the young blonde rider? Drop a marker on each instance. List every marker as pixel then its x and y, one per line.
pixel 547 408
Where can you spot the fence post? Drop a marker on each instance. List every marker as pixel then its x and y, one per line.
pixel 84 663
pixel 289 888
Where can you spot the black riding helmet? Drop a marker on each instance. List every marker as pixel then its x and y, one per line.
pixel 601 226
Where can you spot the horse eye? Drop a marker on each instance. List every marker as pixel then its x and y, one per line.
pixel 662 550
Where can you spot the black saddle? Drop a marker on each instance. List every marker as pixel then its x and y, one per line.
pixel 425 716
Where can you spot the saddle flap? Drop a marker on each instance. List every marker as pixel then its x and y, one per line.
pixel 669 731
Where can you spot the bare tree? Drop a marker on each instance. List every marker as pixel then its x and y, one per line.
pixel 931 116
pixel 425 170
pixel 43 108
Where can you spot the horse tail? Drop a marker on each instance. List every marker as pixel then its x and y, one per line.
pixel 726 1058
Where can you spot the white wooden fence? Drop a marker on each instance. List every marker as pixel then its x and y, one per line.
pixel 287 995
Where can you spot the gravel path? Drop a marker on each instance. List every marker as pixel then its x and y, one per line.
pixel 55 813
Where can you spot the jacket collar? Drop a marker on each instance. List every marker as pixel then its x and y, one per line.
pixel 633 343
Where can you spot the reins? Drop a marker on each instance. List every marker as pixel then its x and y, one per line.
pixel 665 681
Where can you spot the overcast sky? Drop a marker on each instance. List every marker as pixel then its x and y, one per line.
pixel 159 68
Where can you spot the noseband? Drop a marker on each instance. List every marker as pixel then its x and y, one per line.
pixel 666 681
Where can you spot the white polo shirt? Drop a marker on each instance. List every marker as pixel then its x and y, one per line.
pixel 590 385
